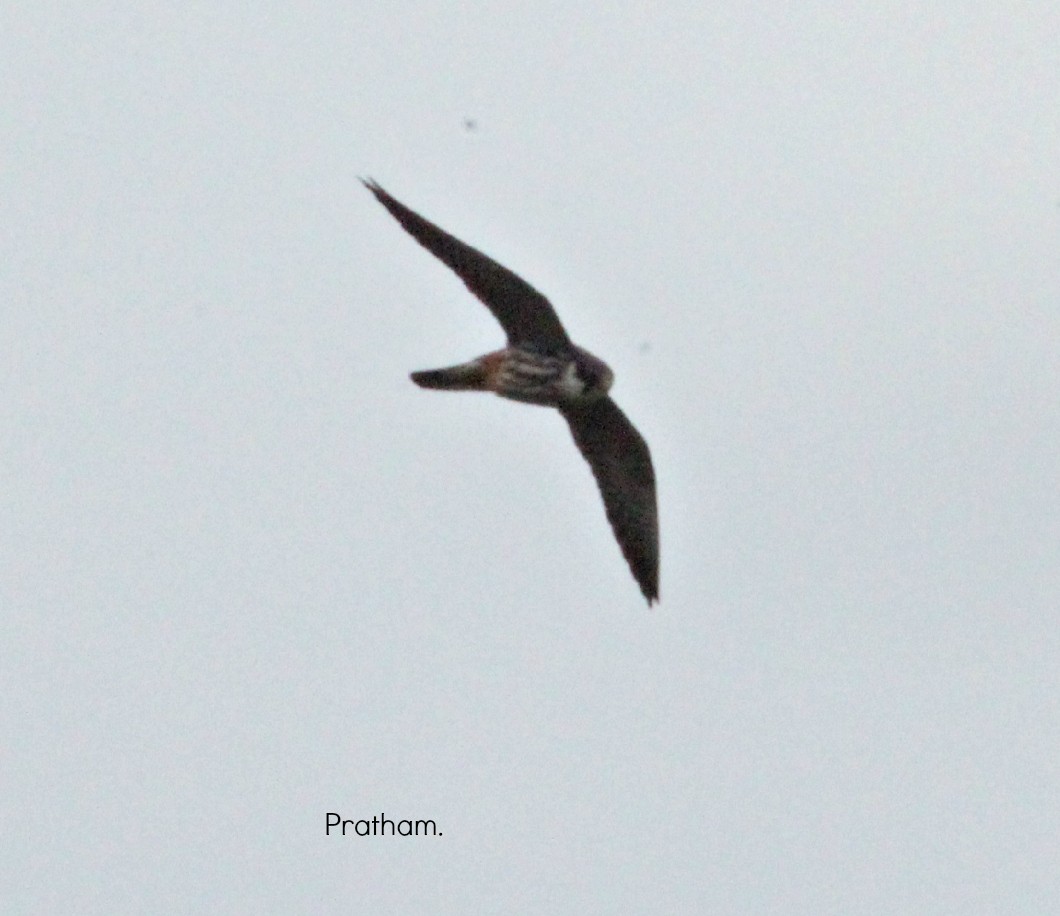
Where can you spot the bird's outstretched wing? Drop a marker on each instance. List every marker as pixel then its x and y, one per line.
pixel 621 464
pixel 526 316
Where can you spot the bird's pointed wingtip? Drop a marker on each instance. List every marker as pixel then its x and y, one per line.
pixel 649 588
pixel 371 184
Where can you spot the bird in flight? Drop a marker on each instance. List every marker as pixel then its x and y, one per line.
pixel 542 366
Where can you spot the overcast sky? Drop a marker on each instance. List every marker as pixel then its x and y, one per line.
pixel 250 574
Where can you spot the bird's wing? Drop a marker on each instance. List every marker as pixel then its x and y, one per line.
pixel 621 464
pixel 526 316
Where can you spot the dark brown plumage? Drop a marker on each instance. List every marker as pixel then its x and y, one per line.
pixel 542 366
pixel 526 316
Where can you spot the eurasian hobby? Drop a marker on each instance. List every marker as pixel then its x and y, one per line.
pixel 541 365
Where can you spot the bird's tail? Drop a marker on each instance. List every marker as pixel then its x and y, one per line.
pixel 466 377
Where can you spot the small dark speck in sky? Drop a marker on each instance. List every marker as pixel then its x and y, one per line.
pixel 470 125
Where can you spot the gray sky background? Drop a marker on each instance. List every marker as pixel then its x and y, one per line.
pixel 250 574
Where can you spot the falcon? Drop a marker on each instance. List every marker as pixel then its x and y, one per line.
pixel 541 365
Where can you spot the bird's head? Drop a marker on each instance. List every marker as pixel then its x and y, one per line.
pixel 594 375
